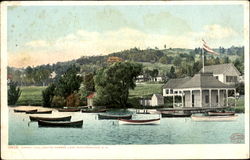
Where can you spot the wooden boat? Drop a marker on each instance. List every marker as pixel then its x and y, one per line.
pixel 60 124
pixel 214 118
pixel 108 116
pixel 93 111
pixel 23 110
pixel 140 122
pixel 164 114
pixel 38 112
pixel 221 113
pixel 69 110
pixel 67 118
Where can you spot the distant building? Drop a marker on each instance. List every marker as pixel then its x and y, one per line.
pixel 157 100
pixel 202 90
pixel 114 59
pixel 159 79
pixel 226 73
pixel 90 101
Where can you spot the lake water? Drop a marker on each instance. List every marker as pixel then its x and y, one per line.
pixel 109 132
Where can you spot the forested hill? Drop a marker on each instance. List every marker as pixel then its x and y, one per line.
pixel 160 59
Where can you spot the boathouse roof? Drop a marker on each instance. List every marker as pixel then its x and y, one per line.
pixel 173 83
pixel 221 69
pixel 203 80
pixel 158 96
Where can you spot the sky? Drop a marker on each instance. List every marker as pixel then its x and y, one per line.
pixel 47 34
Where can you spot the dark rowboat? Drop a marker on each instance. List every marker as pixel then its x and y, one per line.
pixel 108 116
pixel 221 113
pixel 38 112
pixel 67 118
pixel 69 110
pixel 170 115
pixel 140 122
pixel 22 110
pixel 60 124
pixel 93 111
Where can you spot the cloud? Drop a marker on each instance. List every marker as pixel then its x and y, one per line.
pixel 37 43
pixel 86 43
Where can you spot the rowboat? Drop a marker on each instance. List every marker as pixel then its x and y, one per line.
pixel 38 112
pixel 221 113
pixel 67 118
pixel 69 110
pixel 108 116
pixel 214 118
pixel 93 111
pixel 60 124
pixel 23 110
pixel 163 114
pixel 140 122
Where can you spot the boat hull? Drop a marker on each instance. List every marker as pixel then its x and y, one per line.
pixel 69 110
pixel 20 110
pixel 140 122
pixel 171 115
pixel 60 124
pixel 94 111
pixel 102 116
pixel 67 118
pixel 39 112
pixel 214 118
pixel 221 113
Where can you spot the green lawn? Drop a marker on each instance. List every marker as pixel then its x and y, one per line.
pixel 145 90
pixel 31 95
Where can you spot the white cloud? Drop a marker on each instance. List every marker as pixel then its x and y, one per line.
pixel 85 43
pixel 37 43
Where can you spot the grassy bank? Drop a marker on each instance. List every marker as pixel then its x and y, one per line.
pixel 145 90
pixel 31 95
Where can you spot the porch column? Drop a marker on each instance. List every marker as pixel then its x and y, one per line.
pixel 191 98
pixel 201 97
pixel 182 102
pixel 234 97
pixel 227 97
pixel 173 101
pixel 218 97
pixel 210 98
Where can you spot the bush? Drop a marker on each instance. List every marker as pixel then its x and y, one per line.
pixel 48 95
pixel 14 93
pixel 73 100
pixel 58 102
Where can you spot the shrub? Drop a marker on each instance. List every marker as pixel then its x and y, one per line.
pixel 48 95
pixel 58 102
pixel 73 100
pixel 14 93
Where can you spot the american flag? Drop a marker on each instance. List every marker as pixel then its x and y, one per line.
pixel 208 49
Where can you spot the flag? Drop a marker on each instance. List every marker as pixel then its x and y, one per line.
pixel 208 49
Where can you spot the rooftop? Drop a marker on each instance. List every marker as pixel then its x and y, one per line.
pixel 219 68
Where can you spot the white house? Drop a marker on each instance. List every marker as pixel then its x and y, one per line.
pixel 202 90
pixel 226 73
pixel 157 100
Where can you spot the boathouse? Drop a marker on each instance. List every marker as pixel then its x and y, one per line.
pixel 226 73
pixel 202 90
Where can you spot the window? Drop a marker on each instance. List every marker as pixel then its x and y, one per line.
pixel 217 77
pixel 206 99
pixel 171 91
pixel 167 91
pixel 175 91
pixel 231 78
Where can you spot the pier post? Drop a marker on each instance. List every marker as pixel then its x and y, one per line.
pixel 191 98
pixel 226 97
pixel 182 102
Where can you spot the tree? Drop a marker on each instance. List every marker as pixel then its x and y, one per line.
pixel 172 73
pixel 14 93
pixel 177 61
pixel 113 83
pixel 69 82
pixel 88 82
pixel 48 95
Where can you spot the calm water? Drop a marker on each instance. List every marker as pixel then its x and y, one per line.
pixel 109 132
